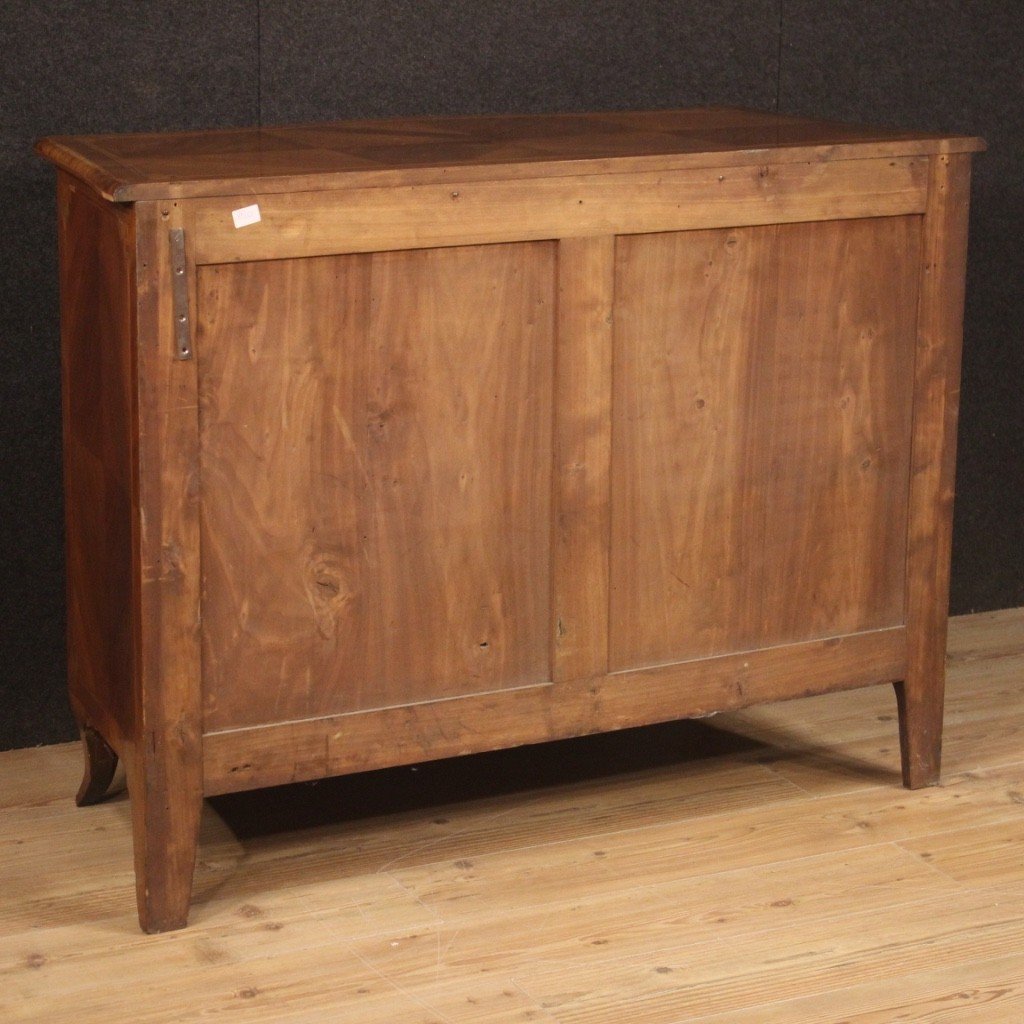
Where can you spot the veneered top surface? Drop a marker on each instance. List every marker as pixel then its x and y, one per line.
pixel 405 151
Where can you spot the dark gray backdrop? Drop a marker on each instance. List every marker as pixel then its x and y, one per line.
pixel 119 66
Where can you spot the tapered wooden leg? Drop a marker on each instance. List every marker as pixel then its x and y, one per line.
pixel 165 827
pixel 932 465
pixel 165 763
pixel 100 765
pixel 920 717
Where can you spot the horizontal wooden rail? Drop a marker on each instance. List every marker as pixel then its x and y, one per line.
pixel 270 755
pixel 427 216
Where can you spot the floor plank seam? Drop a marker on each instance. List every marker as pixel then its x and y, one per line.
pixel 717 1016
pixel 945 875
pixel 667 823
pixel 389 866
pixel 897 905
pixel 811 794
pixel 439 919
pixel 664 825
pixel 758 866
pixel 948 779
pixel 389 980
pixel 990 892
pixel 566 963
pixel 747 981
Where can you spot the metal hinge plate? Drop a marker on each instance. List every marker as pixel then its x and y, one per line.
pixel 179 296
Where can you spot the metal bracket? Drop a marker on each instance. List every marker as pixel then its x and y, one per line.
pixel 179 296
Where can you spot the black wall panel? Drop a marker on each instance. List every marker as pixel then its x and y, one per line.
pixel 76 67
pixel 363 59
pixel 948 66
pixel 31 510
pixel 121 66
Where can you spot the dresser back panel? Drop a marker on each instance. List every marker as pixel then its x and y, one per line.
pixel 375 463
pixel 763 386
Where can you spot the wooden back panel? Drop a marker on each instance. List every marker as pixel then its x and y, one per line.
pixel 376 452
pixel 762 404
pixel 376 436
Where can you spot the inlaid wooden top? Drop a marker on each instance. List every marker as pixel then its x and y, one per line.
pixel 421 150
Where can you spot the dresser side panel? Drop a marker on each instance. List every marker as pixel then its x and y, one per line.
pixel 97 284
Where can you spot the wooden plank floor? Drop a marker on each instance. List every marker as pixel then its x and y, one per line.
pixel 763 866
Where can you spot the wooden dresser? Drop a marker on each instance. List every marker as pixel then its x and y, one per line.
pixel 389 441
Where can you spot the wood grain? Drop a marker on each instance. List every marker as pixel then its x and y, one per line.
pixel 497 430
pixel 933 465
pixel 405 151
pixel 97 357
pixel 459 212
pixel 582 457
pixel 164 764
pixel 760 902
pixel 238 758
pixel 376 464
pixel 100 766
pixel 695 981
pixel 985 991
pixel 762 425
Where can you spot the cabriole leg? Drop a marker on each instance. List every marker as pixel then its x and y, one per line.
pixel 100 765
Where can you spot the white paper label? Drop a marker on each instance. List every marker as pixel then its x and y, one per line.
pixel 246 215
